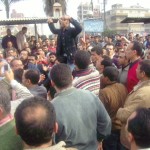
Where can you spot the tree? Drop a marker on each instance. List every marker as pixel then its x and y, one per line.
pixel 48 6
pixel 7 4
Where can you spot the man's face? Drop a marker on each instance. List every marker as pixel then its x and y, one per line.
pixel 52 58
pixel 17 64
pixel 24 31
pixel 8 32
pixel 32 59
pixel 9 44
pixel 95 57
pixel 139 73
pixel 110 48
pixel 24 55
pixel 10 53
pixel 53 42
pixel 121 58
pixel 64 22
pixel 129 52
pixel 45 48
pixel 9 59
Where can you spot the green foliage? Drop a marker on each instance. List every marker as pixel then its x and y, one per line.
pixel 108 32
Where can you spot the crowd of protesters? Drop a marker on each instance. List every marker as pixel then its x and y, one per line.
pixel 74 92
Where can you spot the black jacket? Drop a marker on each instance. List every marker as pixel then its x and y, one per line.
pixel 66 40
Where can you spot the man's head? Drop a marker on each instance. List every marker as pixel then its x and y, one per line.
pixel 9 44
pixel 110 74
pixel 61 76
pixel 16 63
pixel 111 49
pixel 35 121
pixel 82 59
pixel 32 59
pixel 11 52
pixel 133 50
pixel 8 32
pixel 4 103
pixel 24 30
pixel 96 54
pixel 24 55
pixel 138 127
pixel 30 78
pixel 122 59
pixel 52 57
pixel 103 64
pixel 143 70
pixel 64 22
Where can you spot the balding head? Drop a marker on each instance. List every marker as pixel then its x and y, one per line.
pixel 35 121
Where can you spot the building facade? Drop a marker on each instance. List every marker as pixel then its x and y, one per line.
pixel 118 13
pixel 88 10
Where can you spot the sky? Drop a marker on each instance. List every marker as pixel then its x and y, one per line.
pixel 34 8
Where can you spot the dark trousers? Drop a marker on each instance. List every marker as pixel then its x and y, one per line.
pixel 112 142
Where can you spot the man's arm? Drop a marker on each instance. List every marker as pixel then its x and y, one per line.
pixel 103 121
pixel 52 27
pixel 21 91
pixel 77 26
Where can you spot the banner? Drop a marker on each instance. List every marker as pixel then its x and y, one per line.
pixel 93 25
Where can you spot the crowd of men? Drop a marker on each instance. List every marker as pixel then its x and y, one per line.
pixel 73 92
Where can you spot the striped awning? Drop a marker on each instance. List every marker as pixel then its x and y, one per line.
pixel 144 20
pixel 18 21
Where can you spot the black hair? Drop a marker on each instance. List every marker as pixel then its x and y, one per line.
pixel 61 75
pixel 138 47
pixel 33 127
pixel 24 28
pixel 98 50
pixel 145 67
pixel 106 62
pixel 139 127
pixel 82 59
pixel 111 72
pixel 32 75
pixel 18 73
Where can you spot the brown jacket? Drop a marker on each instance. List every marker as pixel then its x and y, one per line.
pixel 138 97
pixel 113 97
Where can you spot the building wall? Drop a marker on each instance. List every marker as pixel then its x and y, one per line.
pixel 118 13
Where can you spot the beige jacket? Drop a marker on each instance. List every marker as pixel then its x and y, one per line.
pixel 139 97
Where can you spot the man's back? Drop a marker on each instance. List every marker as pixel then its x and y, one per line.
pixel 80 114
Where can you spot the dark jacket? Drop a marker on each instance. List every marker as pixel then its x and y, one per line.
pixel 66 40
pixel 9 38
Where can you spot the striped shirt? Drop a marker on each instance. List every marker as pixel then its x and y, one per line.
pixel 88 79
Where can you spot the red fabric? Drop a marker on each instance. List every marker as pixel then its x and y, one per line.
pixel 132 79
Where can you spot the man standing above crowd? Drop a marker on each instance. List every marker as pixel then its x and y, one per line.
pixel 9 38
pixel 66 40
pixel 21 38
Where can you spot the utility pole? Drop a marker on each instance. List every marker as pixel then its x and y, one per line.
pixel 104 7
